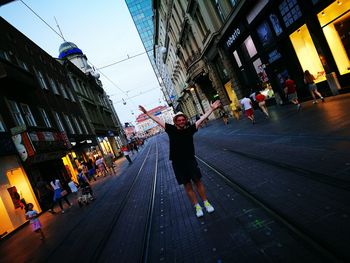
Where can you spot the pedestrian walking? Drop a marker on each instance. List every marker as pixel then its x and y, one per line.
pixel 260 98
pixel 126 153
pixel 32 216
pixel 224 115
pixel 101 166
pixel 309 79
pixel 182 155
pixel 91 167
pixel 247 105
pixel 291 92
pixel 58 195
pixel 84 183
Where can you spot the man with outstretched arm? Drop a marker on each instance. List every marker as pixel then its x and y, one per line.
pixel 182 154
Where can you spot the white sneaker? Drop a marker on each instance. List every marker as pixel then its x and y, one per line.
pixel 199 211
pixel 208 207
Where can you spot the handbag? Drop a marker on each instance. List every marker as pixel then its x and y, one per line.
pixel 64 192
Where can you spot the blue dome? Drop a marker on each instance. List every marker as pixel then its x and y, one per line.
pixel 67 49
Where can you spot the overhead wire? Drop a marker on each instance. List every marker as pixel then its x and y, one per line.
pixel 98 69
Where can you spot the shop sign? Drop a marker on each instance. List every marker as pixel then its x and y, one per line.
pixel 232 38
pixel 23 145
pixel 236 32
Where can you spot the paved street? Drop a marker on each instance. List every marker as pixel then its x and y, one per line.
pixel 280 189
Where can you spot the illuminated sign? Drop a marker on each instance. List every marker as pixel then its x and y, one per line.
pixel 233 37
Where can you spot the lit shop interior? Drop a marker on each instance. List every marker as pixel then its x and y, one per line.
pixel 15 192
pixel 335 23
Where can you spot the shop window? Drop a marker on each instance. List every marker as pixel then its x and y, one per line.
pixel 250 47
pixel 290 11
pixel 276 24
pixel 335 23
pixel 265 34
pixel 260 70
pixel 307 53
pixel 274 55
pixel 238 60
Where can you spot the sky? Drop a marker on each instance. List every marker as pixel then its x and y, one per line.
pixel 105 32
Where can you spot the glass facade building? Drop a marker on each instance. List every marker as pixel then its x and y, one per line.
pixel 142 14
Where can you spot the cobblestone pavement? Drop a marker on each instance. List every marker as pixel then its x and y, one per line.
pixel 295 163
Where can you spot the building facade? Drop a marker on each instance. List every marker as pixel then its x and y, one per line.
pixel 40 113
pixel 228 49
pixel 142 14
pixel 146 127
pixel 94 101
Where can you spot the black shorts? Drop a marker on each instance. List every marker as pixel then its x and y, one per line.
pixel 186 170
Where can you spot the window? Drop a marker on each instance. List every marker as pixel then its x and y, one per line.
pixel 53 85
pixel 2 125
pixel 63 91
pixel 238 60
pixel 59 122
pixel 5 55
pixel 290 11
pixel 265 34
pixel 28 115
pixel 307 53
pixel 69 124
pixel 16 113
pixel 219 9
pixel 249 45
pixel 335 23
pixel 71 94
pixel 41 79
pixel 22 64
pixel 84 126
pixel 45 118
pixel 73 83
pixel 276 24
pixel 77 125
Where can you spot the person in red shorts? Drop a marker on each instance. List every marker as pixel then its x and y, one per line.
pixel 291 92
pixel 248 108
pixel 260 98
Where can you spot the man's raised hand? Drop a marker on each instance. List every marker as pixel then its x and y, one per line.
pixel 141 108
pixel 216 104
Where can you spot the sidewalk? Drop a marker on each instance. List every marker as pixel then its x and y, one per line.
pixel 21 238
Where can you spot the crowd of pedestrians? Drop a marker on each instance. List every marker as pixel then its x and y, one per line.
pixel 79 189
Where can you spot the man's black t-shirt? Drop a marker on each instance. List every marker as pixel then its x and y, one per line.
pixel 181 142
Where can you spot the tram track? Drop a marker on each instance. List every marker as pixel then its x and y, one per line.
pixel 298 231
pixel 100 246
pixel 301 171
